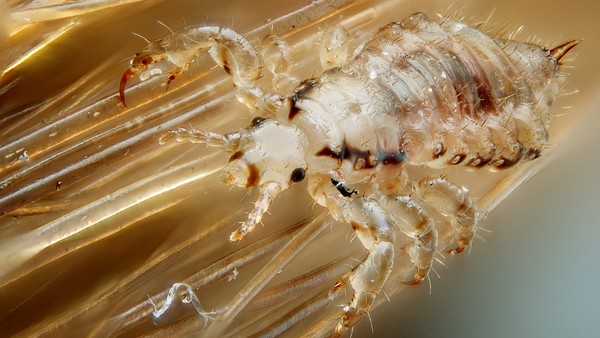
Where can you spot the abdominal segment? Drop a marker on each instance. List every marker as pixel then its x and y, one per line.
pixel 459 96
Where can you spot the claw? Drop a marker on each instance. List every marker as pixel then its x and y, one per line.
pixel 415 281
pixel 128 74
pixel 172 77
pixel 418 278
pixel 456 251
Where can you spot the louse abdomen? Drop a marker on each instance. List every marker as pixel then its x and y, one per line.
pixel 460 97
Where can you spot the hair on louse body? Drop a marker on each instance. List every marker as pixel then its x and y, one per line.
pixel 425 91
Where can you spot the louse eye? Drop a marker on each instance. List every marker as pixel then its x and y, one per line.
pixel 297 175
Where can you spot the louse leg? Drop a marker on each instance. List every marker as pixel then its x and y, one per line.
pixel 229 49
pixel 408 217
pixel 454 202
pixel 376 221
pixel 374 230
pixel 275 54
pixel 334 50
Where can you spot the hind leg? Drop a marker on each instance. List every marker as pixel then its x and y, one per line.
pixel 376 221
pixel 454 202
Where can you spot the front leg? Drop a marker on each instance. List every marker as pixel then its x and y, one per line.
pixel 229 50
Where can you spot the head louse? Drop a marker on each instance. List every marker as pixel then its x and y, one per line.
pixel 425 91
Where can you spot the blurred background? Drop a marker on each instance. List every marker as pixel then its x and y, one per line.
pixel 90 200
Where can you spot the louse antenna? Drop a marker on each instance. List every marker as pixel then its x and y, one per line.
pixel 267 194
pixel 199 136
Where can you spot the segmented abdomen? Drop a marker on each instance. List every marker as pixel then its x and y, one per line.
pixel 460 96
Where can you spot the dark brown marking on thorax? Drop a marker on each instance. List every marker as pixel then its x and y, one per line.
pixel 362 159
pixel 390 158
pixel 293 110
pixel 300 92
pixel 328 152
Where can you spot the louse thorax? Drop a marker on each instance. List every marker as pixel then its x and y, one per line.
pixel 349 125
pixel 267 152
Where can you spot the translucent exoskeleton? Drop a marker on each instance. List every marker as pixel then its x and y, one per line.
pixel 426 91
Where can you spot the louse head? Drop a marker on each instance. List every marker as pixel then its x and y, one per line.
pixel 267 152
pixel 267 155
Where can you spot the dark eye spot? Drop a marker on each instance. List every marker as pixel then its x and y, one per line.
pixel 297 175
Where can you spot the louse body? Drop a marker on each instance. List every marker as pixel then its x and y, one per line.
pixel 425 91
